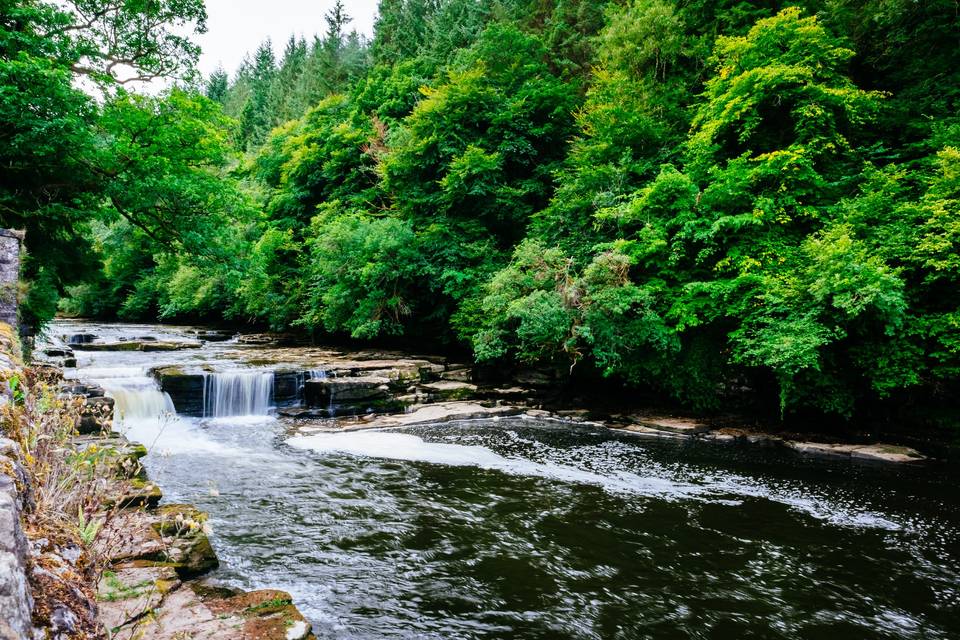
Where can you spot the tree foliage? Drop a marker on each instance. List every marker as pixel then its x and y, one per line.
pixel 710 200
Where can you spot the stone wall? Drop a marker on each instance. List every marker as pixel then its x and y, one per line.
pixel 10 243
pixel 16 604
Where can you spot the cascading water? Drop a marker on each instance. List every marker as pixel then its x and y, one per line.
pixel 244 393
pixel 137 396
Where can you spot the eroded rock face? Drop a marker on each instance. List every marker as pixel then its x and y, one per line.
pixel 173 536
pixel 16 602
pixel 184 389
pixel 153 605
pixel 321 392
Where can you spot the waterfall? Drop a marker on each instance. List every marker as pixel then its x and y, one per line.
pixel 137 398
pixel 245 393
pixel 318 374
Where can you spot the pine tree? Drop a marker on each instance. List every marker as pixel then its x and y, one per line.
pixel 217 85
pixel 256 119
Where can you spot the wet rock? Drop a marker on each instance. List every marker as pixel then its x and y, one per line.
pixel 683 426
pixel 108 346
pixel 169 346
pixel 650 431
pixel 58 352
pixel 457 374
pixel 80 338
pixel 448 390
pixel 822 449
pixel 185 390
pixel 138 345
pixel 213 335
pixel 887 453
pixel 287 387
pixel 324 391
pixel 873 452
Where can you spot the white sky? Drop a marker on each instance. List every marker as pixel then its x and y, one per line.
pixel 237 27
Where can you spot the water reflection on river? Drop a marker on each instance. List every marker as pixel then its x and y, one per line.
pixel 515 529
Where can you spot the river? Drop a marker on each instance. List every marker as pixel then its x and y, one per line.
pixel 518 528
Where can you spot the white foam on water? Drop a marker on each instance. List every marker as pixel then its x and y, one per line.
pixel 175 435
pixel 411 448
pixel 656 481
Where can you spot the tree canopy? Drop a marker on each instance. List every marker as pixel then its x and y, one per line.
pixel 709 200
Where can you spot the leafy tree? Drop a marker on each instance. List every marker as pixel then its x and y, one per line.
pixel 49 185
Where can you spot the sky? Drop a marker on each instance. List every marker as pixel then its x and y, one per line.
pixel 237 27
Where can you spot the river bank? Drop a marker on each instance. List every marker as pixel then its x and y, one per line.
pixel 122 565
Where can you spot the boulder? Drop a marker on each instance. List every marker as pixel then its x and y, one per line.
pixel 324 391
pixel 448 390
pixel 457 374
pixel 184 389
pixel 80 338
pixel 871 452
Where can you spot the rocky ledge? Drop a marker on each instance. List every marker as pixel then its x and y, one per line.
pixel 155 557
pixel 686 427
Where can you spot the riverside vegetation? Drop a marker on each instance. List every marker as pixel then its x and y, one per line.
pixel 710 200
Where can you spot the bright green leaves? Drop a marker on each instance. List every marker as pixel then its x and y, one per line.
pixel 362 275
pixel 162 156
pixel 780 102
pixel 481 145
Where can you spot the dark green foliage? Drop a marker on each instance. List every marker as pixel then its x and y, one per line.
pixel 702 198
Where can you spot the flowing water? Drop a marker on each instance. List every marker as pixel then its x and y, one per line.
pixel 522 529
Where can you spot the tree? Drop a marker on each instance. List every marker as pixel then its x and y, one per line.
pixel 257 119
pixel 217 85
pixel 47 125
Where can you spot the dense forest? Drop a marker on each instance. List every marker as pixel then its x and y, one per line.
pixel 690 196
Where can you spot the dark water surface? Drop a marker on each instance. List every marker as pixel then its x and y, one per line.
pixel 519 529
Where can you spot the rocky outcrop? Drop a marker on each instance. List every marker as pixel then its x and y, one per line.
pixel 867 452
pixel 16 602
pixel 185 389
pixel 149 591
pixel 318 393
pixel 424 414
pixel 149 344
